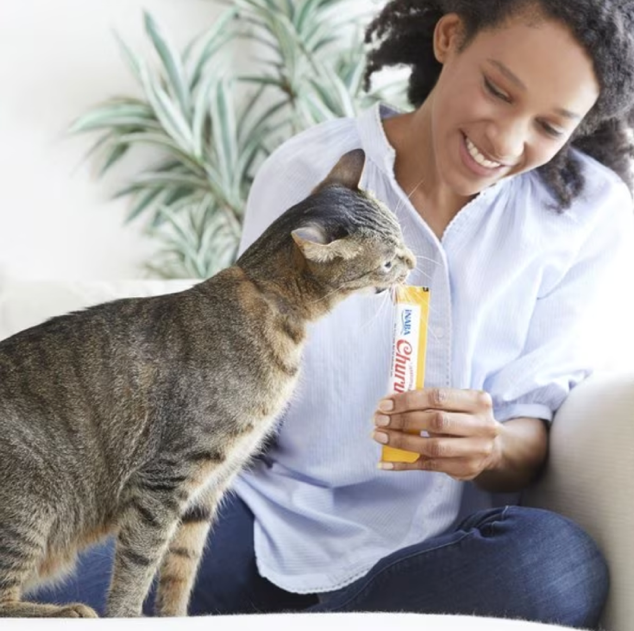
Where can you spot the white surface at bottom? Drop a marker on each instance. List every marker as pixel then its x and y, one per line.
pixel 285 622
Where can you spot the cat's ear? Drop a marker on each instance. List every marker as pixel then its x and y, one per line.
pixel 346 172
pixel 314 245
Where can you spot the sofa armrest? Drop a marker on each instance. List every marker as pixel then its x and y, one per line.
pixel 25 302
pixel 590 478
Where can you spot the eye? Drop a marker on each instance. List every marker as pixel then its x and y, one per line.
pixel 495 92
pixel 387 266
pixel 550 130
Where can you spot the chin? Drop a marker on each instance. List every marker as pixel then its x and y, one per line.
pixel 464 183
pixel 465 188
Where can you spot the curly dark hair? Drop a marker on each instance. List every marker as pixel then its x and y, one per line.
pixel 402 34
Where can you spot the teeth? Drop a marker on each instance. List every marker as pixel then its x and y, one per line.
pixel 479 158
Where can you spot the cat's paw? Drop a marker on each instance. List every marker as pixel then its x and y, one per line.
pixel 76 610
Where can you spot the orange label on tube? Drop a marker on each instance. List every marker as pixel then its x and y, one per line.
pixel 409 345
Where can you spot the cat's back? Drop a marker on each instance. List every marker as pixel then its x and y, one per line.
pixel 81 340
pixel 112 352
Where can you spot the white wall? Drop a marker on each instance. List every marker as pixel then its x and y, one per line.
pixel 57 59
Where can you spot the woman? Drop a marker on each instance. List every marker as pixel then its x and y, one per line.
pixel 513 227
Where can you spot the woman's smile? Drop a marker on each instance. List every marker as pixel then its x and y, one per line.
pixel 476 161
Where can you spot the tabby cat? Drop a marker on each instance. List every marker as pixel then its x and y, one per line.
pixel 132 417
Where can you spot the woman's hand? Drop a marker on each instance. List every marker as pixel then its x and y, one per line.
pixel 464 437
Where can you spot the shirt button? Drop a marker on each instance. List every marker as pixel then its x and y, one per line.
pixel 439 332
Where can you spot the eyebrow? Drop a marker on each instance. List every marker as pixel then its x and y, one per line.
pixel 514 79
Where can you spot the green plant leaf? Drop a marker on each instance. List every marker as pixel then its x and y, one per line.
pixel 115 115
pixel 132 60
pixel 208 144
pixel 263 118
pixel 248 108
pixel 214 40
pixel 115 154
pixel 224 134
pixel 167 143
pixel 166 111
pixel 271 81
pixel 166 179
pixel 174 69
pixel 201 117
pixel 143 200
pixel 178 200
pixel 103 140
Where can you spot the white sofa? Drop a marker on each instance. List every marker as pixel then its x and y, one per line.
pixel 590 476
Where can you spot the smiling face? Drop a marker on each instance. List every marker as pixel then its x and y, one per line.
pixel 507 102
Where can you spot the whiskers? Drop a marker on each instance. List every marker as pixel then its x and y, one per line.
pixel 420 259
pixel 385 300
pixel 409 195
pixel 425 258
pixel 421 269
pixel 325 296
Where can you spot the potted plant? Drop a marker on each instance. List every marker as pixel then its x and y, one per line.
pixel 212 126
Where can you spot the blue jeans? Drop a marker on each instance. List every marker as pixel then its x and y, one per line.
pixel 512 562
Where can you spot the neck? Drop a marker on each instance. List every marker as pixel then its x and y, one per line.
pixel 416 170
pixel 282 278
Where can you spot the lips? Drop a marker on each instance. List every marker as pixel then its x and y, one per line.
pixel 478 163
pixel 479 157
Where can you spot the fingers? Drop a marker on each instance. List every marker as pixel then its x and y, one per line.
pixel 432 421
pixel 449 399
pixel 438 422
pixel 461 431
pixel 449 412
pixel 436 448
pixel 461 469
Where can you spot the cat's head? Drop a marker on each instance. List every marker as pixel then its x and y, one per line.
pixel 339 240
pixel 349 239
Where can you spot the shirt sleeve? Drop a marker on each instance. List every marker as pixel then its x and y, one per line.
pixel 578 326
pixel 292 171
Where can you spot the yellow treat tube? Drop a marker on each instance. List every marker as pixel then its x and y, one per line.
pixel 409 347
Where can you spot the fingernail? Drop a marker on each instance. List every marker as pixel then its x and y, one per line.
pixel 380 420
pixel 386 405
pixel 386 466
pixel 380 437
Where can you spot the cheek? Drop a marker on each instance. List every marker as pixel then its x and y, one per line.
pixel 461 110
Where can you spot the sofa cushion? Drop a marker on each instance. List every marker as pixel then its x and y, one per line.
pixel 25 303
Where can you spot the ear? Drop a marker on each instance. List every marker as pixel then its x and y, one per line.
pixel 447 36
pixel 346 172
pixel 313 244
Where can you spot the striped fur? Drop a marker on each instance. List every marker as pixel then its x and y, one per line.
pixel 131 418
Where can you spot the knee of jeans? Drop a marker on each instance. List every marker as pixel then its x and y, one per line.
pixel 570 566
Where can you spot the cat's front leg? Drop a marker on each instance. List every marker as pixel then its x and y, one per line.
pixel 182 558
pixel 147 525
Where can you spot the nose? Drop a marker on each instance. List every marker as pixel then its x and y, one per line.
pixel 507 137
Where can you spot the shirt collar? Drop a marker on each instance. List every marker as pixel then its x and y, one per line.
pixel 380 151
pixel 373 139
